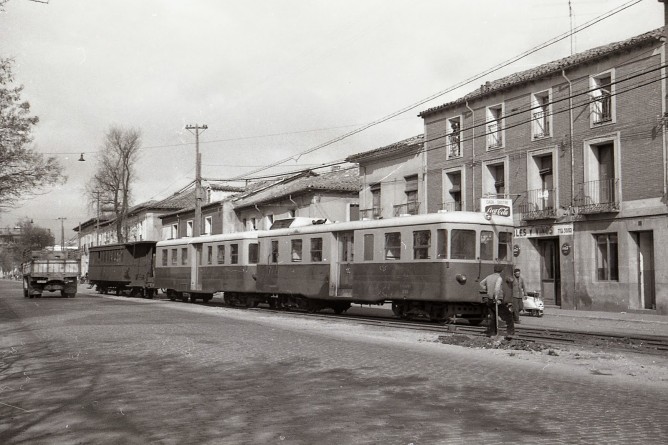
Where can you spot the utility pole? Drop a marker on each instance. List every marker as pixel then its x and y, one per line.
pixel 97 221
pixel 196 130
pixel 62 233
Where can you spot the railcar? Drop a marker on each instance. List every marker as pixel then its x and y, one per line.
pixel 424 265
pixel 123 267
pixel 196 268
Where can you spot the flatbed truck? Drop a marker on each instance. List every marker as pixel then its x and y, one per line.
pixel 51 272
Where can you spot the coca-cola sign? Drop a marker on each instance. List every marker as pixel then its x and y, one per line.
pixel 499 210
pixel 497 207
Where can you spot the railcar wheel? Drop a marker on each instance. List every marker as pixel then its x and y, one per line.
pixel 193 298
pixel 183 298
pixel 71 294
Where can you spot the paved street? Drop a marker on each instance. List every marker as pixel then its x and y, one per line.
pixel 99 369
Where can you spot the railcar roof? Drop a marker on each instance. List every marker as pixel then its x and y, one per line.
pixel 117 245
pixel 430 218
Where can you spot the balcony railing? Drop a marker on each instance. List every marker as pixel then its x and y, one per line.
pixel 372 213
pixel 410 208
pixel 602 109
pixel 541 125
pixel 454 146
pixel 600 196
pixel 494 137
pixel 539 204
pixel 452 206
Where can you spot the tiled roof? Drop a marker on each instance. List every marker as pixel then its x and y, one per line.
pixel 408 146
pixel 551 68
pixel 344 180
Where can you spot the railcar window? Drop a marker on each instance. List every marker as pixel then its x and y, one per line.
pixel 441 244
pixel 165 256
pixel 234 253
pixel 462 244
pixel 252 253
pixel 368 247
pixel 221 254
pixel 209 254
pixel 274 251
pixel 486 245
pixel 421 244
pixel 316 250
pixel 505 240
pixel 184 256
pixel 174 254
pixel 393 246
pixel 296 250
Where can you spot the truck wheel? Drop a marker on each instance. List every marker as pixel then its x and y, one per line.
pixel 71 295
pixel 25 293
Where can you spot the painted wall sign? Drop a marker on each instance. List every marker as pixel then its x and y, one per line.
pixel 497 207
pixel 543 230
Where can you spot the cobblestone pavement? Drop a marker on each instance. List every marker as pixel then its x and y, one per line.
pixel 115 370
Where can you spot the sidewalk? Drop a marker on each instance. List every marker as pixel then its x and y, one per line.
pixel 620 323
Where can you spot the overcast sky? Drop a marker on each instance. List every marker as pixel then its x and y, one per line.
pixel 270 78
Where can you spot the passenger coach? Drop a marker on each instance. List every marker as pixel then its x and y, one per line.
pixel 425 265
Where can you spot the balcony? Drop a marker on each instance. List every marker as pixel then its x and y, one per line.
pixel 372 213
pixel 602 109
pixel 494 137
pixel 541 125
pixel 452 206
pixel 539 204
pixel 410 208
pixel 598 197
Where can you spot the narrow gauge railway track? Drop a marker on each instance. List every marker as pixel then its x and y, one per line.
pixel 645 344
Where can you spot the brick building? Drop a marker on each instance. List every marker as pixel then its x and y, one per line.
pixel 579 147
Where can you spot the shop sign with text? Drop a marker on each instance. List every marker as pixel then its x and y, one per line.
pixel 543 230
pixel 497 207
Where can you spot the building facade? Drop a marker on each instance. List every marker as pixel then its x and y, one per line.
pixel 578 146
pixel 392 179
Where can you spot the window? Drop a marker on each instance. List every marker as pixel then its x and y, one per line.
pixel 411 190
pixel 442 244
pixel 234 253
pixel 221 255
pixel 606 257
pixel 316 250
pixel 494 127
pixel 184 256
pixel 602 98
pixel 253 224
pixel 208 221
pixel 174 257
pixel 296 245
pixel 540 115
pixel 165 255
pixel 453 137
pixel 393 246
pixel 505 240
pixel 253 253
pixel 494 180
pixel 368 247
pixel 245 224
pixel 486 245
pixel 175 231
pixel 452 184
pixel 462 244
pixel 274 251
pixel 421 244
pixel 375 199
pixel 209 254
pixel 189 228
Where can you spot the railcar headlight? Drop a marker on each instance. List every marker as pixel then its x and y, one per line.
pixel 461 278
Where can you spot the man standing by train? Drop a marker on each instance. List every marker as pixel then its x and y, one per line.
pixel 519 291
pixel 492 285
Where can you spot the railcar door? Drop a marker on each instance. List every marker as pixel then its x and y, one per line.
pixel 195 276
pixel 344 266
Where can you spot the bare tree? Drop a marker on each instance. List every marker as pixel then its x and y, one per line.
pixel 23 171
pixel 110 186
